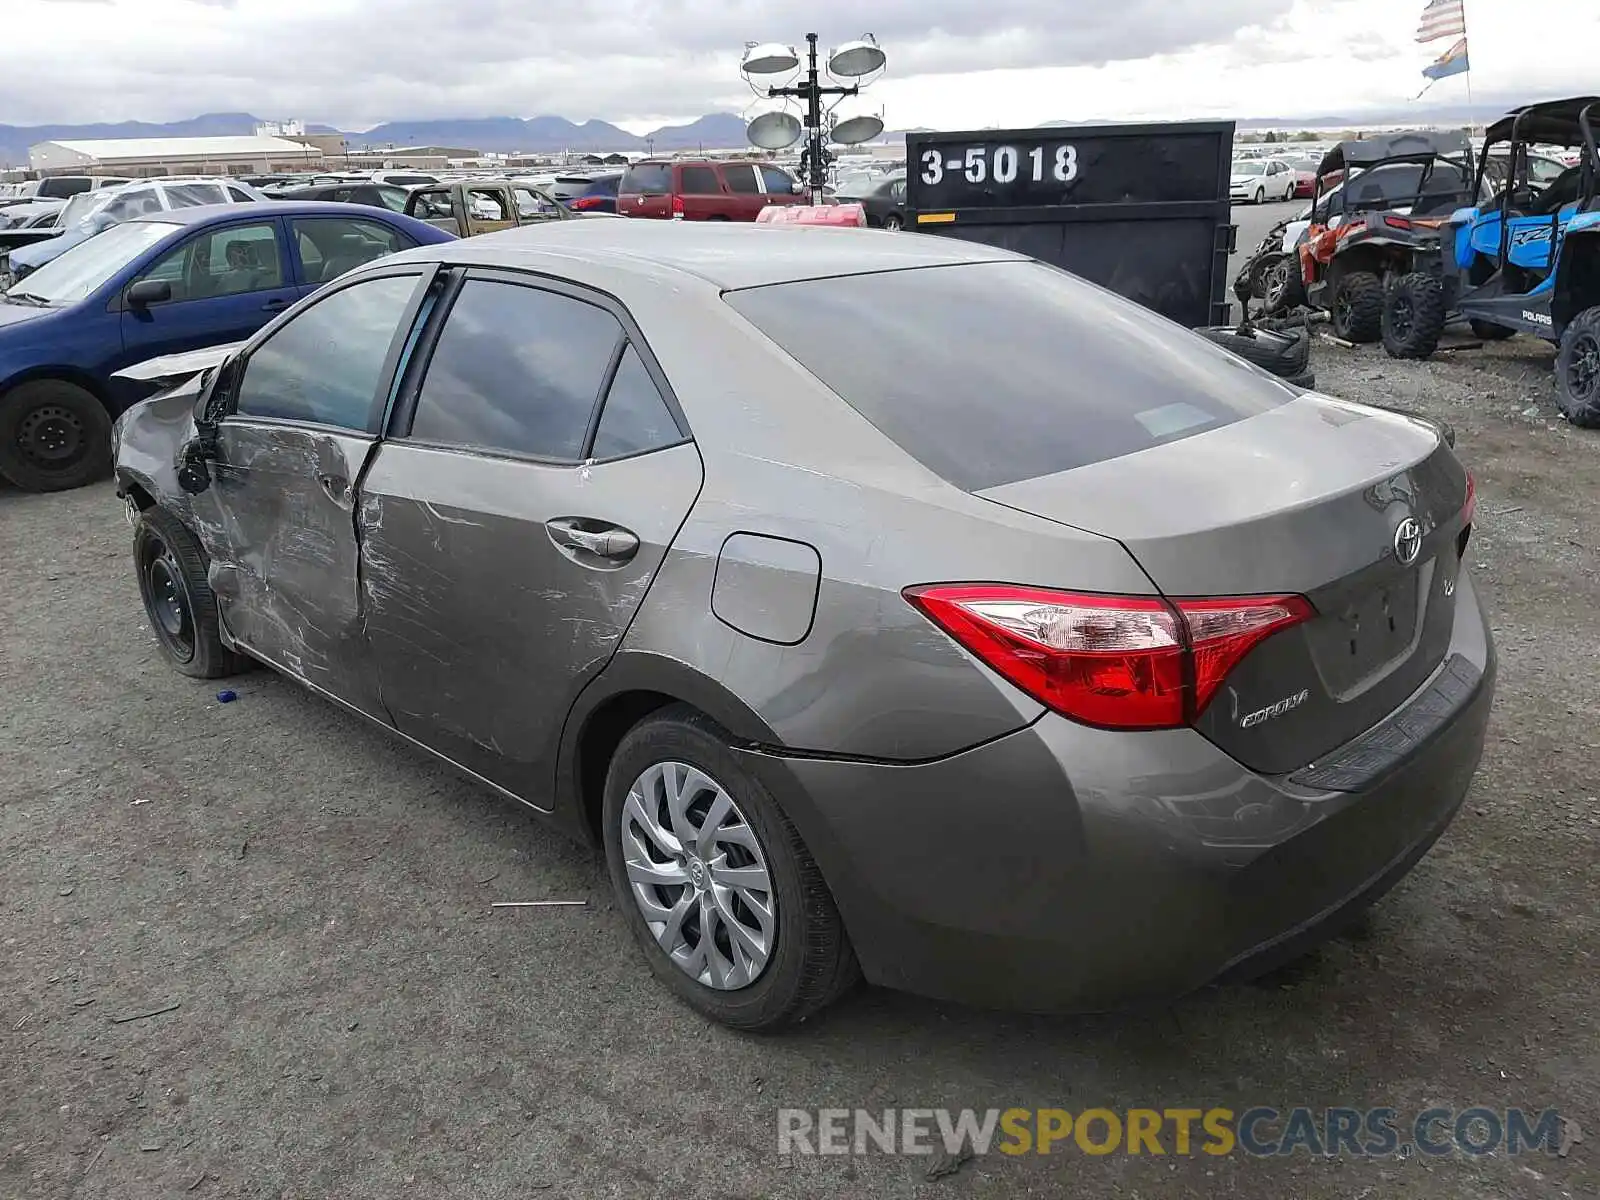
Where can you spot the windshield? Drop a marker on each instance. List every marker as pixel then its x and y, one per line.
pixel 81 205
pixel 87 266
pixel 1249 168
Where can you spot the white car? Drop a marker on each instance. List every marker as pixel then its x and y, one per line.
pixel 1255 181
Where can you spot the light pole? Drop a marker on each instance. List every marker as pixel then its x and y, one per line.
pixel 778 128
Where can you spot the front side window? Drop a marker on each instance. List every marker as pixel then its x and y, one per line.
pixel 516 369
pixel 778 181
pixel 326 365
pixel 225 262
pixel 330 246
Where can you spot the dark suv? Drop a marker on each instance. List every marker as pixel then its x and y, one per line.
pixel 704 191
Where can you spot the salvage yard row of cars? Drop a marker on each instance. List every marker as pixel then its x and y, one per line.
pixel 199 262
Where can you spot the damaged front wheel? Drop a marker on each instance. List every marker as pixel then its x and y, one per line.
pixel 178 599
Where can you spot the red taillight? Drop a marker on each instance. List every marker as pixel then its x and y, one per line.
pixel 1397 222
pixel 1469 507
pixel 584 203
pixel 677 206
pixel 1118 662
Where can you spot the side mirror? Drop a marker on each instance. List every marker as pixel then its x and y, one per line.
pixel 798 188
pixel 147 292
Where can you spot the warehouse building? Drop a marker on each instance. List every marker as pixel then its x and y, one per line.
pixel 138 157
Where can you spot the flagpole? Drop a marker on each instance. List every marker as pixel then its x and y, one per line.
pixel 1472 120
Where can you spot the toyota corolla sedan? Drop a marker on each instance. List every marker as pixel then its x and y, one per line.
pixel 881 606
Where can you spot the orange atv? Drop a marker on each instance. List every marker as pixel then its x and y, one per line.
pixel 1376 218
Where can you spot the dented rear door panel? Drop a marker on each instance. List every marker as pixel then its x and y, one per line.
pixel 482 626
pixel 279 527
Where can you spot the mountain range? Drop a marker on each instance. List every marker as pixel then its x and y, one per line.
pixel 549 134
pixel 538 135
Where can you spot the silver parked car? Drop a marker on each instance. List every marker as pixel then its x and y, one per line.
pixel 878 603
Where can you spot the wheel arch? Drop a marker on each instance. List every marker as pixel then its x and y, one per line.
pixel 1577 276
pixel 66 374
pixel 634 685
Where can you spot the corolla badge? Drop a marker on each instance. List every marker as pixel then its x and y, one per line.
pixel 1407 541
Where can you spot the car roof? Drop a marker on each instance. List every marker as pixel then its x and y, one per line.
pixel 727 255
pixel 200 213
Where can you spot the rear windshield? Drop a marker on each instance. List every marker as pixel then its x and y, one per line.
pixel 994 372
pixel 652 177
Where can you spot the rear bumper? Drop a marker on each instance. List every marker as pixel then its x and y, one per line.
pixel 1061 868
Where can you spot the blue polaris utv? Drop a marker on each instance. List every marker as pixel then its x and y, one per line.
pixel 1527 261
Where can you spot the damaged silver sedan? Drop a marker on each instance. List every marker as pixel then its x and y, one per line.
pixel 882 606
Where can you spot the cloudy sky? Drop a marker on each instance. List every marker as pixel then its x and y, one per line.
pixel 638 63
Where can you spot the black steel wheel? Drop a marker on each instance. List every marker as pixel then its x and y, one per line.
pixel 54 435
pixel 1578 370
pixel 178 599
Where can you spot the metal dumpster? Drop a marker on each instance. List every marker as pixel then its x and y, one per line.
pixel 1140 209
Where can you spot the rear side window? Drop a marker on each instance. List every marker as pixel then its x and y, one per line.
pixel 699 181
pixel 741 179
pixel 993 372
pixel 516 369
pixel 647 179
pixel 635 418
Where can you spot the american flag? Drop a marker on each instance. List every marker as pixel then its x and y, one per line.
pixel 1442 19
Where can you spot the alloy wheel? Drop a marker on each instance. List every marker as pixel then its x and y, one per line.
pixel 52 437
pixel 1402 317
pixel 699 876
pixel 1583 369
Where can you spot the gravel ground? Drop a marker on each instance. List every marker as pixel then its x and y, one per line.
pixel 349 1018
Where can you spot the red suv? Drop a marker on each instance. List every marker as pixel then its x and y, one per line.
pixel 704 191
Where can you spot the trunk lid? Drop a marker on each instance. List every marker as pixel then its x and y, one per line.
pixel 1309 499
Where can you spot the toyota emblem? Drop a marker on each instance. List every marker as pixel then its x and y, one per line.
pixel 1408 541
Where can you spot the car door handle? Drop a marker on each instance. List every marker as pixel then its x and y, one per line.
pixel 275 305
pixel 593 537
pixel 337 487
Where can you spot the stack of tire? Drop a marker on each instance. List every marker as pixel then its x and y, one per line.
pixel 1286 352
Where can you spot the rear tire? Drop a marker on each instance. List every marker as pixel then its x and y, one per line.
pixel 809 962
pixel 178 599
pixel 54 436
pixel 894 222
pixel 1357 314
pixel 1282 288
pixel 1413 316
pixel 1578 370
pixel 1486 332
